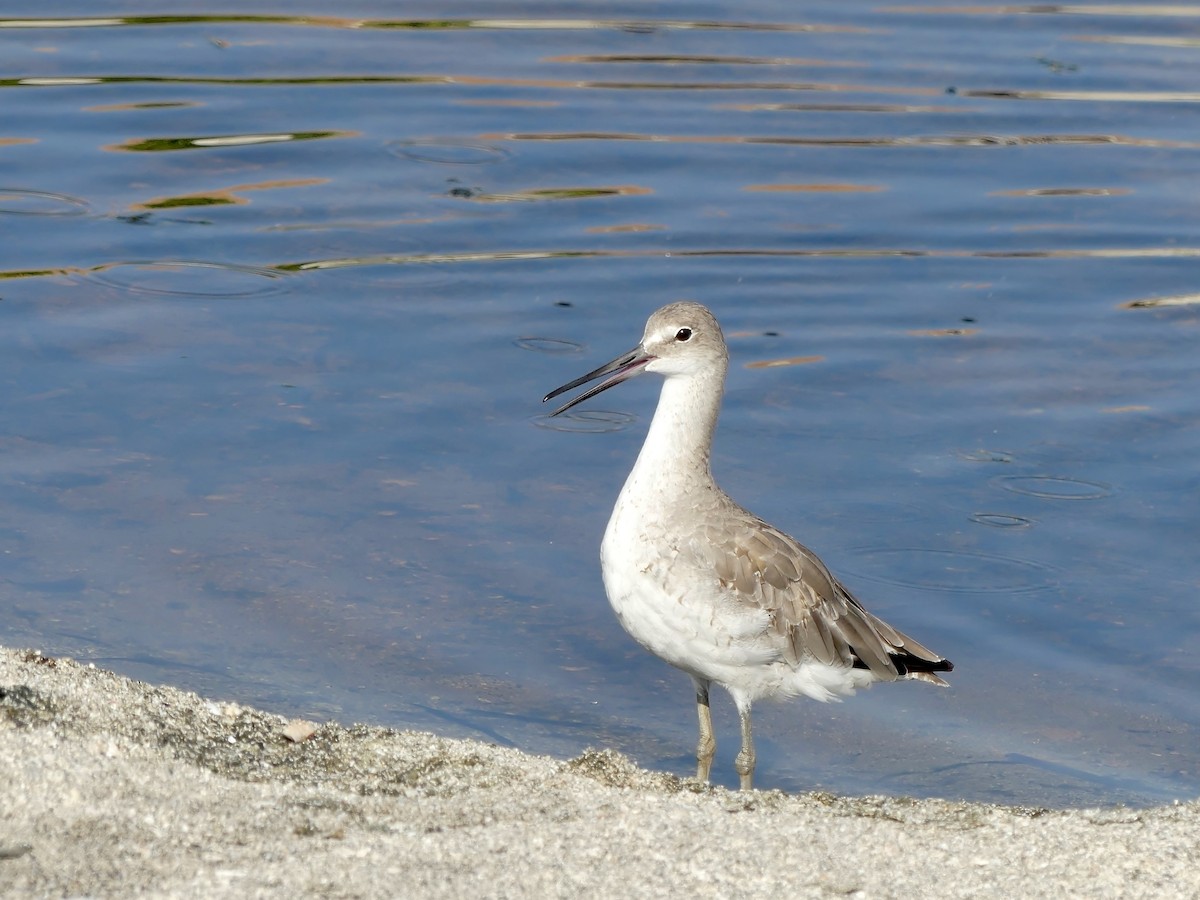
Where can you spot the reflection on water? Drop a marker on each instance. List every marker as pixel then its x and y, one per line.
pixel 518 24
pixel 1065 192
pixel 1151 302
pixel 1166 10
pixel 535 194
pixel 158 145
pixel 272 427
pixel 788 361
pixel 226 196
pixel 1093 96
pixel 695 59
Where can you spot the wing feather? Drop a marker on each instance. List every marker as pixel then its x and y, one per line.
pixel 809 608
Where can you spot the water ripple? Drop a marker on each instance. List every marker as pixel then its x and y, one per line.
pixel 429 259
pixel 548 345
pixel 1090 96
pixel 984 455
pixel 700 59
pixel 473 81
pixel 1000 520
pixel 586 421
pixel 953 571
pixel 803 253
pixel 21 202
pixel 1054 487
pixel 1063 192
pixel 1167 10
pixel 530 24
pixel 826 188
pixel 448 152
pixel 936 140
pixel 842 107
pixel 533 195
pixel 189 278
pixel 1105 96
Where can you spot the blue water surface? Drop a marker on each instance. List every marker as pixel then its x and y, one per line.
pixel 280 293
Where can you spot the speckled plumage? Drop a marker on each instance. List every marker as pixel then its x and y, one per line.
pixel 706 585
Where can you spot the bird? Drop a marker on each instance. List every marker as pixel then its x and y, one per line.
pixel 707 586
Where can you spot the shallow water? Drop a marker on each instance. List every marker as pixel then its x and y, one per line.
pixel 280 296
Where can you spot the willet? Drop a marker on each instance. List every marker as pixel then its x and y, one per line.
pixel 709 587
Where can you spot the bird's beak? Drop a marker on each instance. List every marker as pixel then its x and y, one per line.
pixel 620 369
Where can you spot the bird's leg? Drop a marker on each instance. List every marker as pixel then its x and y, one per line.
pixel 744 763
pixel 707 745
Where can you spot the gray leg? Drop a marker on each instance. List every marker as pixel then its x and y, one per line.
pixel 744 763
pixel 707 744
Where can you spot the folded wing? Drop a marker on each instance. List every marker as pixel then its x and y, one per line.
pixel 809 608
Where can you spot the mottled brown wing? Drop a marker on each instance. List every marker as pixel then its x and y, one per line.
pixel 819 617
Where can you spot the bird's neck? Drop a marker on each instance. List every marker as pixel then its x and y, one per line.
pixel 675 457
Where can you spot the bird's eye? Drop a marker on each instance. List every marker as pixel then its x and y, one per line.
pixel 683 334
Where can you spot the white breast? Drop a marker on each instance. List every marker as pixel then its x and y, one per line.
pixel 673 608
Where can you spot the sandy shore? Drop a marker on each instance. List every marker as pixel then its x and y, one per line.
pixel 113 787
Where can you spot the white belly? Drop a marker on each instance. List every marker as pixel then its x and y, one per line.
pixel 678 612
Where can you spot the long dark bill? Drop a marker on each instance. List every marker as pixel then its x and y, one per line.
pixel 623 367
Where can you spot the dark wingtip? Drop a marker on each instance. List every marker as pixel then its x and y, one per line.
pixel 906 664
pixel 909 663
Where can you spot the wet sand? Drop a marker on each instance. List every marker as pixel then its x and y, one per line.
pixel 112 787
